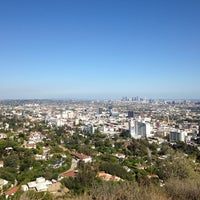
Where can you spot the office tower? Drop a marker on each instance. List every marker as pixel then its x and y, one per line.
pixel 131 127
pixel 100 110
pixel 130 114
pixel 142 129
pixel 177 136
pixel 110 107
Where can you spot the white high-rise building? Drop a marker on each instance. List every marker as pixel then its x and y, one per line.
pixel 68 114
pixel 131 127
pixel 142 129
pixel 177 136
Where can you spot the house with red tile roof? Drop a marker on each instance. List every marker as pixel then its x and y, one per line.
pixel 153 176
pixel 82 157
pixel 1 163
pixel 30 146
pixel 11 191
pixel 108 177
pixel 72 173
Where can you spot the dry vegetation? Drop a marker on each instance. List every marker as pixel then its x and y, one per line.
pixel 175 189
pixel 183 189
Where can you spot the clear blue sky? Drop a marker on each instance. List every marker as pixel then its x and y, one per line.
pixel 99 48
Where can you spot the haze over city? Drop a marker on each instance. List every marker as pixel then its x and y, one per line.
pixel 99 49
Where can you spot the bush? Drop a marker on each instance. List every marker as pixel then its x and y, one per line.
pixel 116 169
pixel 125 191
pixel 176 166
pixel 183 190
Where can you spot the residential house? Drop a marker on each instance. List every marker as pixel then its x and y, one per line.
pixel 83 157
pixel 11 191
pixel 108 177
pixel 40 184
pixel 2 183
pixel 3 136
pixel 72 173
pixel 1 163
pixel 30 145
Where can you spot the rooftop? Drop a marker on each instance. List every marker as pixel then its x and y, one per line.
pixel 12 190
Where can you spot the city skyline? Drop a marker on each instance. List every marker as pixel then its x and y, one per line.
pixel 99 49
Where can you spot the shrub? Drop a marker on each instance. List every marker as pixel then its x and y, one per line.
pixel 183 189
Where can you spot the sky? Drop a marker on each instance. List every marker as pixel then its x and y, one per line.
pixel 99 49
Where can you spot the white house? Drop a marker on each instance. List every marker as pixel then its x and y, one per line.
pixel 83 157
pixel 1 163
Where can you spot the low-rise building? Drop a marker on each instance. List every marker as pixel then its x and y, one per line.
pixel 108 177
pixel 83 157
pixel 3 182
pixel 119 155
pixel 72 173
pixel 40 184
pixel 11 191
pixel 3 136
pixel 1 163
pixel 177 136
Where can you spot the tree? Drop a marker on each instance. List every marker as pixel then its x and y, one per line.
pixel 11 161
pixel 8 174
pixel 125 134
pixel 116 169
pixel 83 181
pixel 176 166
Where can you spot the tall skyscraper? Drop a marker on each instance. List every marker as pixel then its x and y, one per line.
pixel 130 114
pixel 142 129
pixel 100 110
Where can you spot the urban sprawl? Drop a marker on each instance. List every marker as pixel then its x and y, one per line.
pixel 66 147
